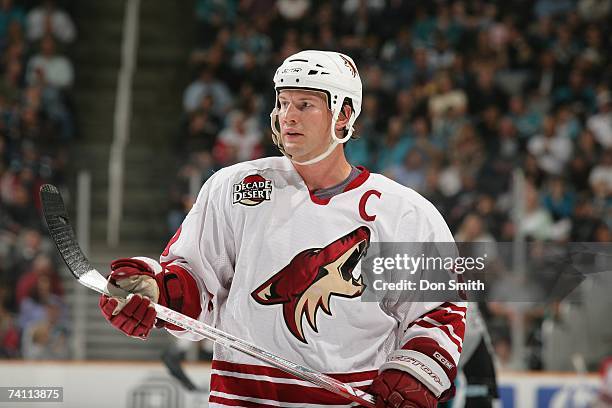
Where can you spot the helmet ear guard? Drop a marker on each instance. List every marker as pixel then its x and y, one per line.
pixel 329 72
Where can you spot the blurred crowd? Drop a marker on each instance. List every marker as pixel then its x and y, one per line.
pixel 36 127
pixel 458 97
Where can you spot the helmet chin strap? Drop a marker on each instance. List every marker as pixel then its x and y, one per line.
pixel 335 141
pixel 320 157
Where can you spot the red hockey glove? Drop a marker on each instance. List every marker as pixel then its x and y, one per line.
pixel 173 288
pixel 136 316
pixel 397 389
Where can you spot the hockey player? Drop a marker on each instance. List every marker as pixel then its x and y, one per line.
pixel 270 253
pixel 478 380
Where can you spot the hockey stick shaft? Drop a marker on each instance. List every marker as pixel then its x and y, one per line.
pixel 62 234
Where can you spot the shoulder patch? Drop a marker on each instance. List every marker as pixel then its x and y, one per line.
pixel 252 190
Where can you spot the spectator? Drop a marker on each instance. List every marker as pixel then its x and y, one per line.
pixel 450 181
pixel 568 125
pixel 566 47
pixel 42 267
pixel 420 133
pixel 485 91
pixel 537 222
pixel 445 106
pixel 247 42
pixel 49 68
pixel 47 19
pixel 593 54
pixel 472 229
pixel 202 128
pixel 423 28
pixel 441 56
pixel 397 54
pixel 601 123
pixel 467 148
pixel 509 148
pixel 21 209
pixel 9 12
pixel 29 244
pixel 358 150
pixel 602 233
pixel 422 72
pixel 600 178
pixel 293 10
pixel 586 155
pixel 47 338
pixel 546 77
pixel 492 217
pixel 542 33
pixel 205 85
pixel 558 200
pixel 412 172
pixel 212 15
pixel 527 122
pixel 547 8
pixel 488 129
pixel 551 149
pixel 240 141
pixel 577 93
pixel 33 307
pixel 395 145
pixel 9 333
pixel 584 221
pixel 593 10
pixel 432 191
pixel 9 337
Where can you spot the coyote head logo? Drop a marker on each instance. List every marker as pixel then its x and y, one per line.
pixel 312 277
pixel 349 65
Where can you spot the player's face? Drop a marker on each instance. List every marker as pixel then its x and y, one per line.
pixel 305 122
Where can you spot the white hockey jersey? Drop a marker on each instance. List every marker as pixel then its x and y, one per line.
pixel 277 267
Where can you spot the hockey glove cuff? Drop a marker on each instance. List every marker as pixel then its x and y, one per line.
pixel 179 292
pixel 398 389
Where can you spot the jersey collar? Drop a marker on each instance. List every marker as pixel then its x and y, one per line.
pixel 359 180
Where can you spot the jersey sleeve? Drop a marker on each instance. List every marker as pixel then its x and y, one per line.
pixel 430 333
pixel 203 246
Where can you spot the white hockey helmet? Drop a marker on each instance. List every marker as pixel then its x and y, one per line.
pixel 332 73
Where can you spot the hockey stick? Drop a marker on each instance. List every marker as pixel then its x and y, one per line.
pixel 62 234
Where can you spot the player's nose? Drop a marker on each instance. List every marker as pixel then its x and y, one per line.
pixel 290 114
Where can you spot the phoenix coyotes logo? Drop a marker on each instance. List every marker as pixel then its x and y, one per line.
pixel 349 65
pixel 312 277
pixel 251 191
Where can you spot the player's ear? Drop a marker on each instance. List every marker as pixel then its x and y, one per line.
pixel 344 116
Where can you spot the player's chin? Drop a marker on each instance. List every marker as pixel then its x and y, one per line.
pixel 293 147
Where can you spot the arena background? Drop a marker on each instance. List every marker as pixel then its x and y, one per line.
pixel 500 113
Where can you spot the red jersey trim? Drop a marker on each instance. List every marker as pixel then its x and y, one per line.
pixel 268 390
pixel 453 307
pixel 358 181
pixel 450 319
pixel 238 403
pixel 444 329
